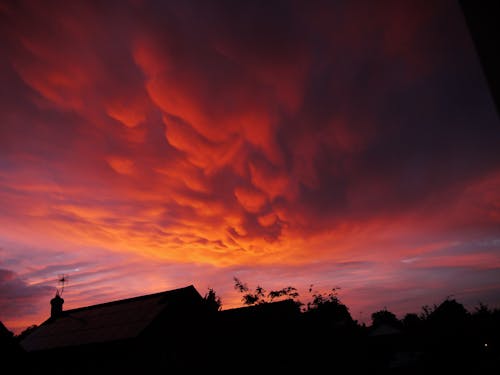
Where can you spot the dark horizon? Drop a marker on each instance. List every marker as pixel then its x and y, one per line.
pixel 254 296
pixel 181 331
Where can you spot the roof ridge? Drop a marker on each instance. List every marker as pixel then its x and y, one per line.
pixel 130 299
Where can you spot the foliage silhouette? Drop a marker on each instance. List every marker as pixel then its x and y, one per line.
pixel 385 317
pixel 212 300
pixel 259 295
pixel 449 312
pixel 411 321
pixel 327 307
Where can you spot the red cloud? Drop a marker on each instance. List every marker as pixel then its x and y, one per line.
pixel 231 136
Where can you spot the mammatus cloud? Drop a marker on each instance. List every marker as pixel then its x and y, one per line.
pixel 228 136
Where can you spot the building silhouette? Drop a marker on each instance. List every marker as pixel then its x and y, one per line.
pixel 178 332
pixel 152 331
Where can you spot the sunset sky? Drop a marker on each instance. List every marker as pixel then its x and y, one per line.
pixel 150 145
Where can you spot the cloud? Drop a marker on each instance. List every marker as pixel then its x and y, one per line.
pixel 299 128
pixel 18 298
pixel 229 134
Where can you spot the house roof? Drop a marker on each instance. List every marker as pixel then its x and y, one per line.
pixel 277 309
pixel 4 332
pixel 111 321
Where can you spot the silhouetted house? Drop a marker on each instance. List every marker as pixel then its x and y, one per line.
pixel 150 332
pixel 266 333
pixel 4 332
pixel 273 313
pixel 6 338
pixel 10 351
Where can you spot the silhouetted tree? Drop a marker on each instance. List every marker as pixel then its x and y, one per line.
pixel 385 317
pixel 289 292
pixel 321 299
pixel 259 296
pixel 212 300
pixel 411 322
pixel 426 311
pixel 249 298
pixel 326 307
pixel 448 313
pixel 486 326
pixel 482 311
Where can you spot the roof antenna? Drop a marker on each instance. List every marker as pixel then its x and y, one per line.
pixel 56 303
pixel 61 279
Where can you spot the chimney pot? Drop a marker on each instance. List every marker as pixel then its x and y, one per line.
pixel 56 306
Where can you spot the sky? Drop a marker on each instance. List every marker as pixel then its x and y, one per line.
pixel 151 145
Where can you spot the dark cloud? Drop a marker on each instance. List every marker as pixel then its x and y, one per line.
pixel 18 298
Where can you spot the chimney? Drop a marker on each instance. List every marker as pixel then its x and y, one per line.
pixel 56 306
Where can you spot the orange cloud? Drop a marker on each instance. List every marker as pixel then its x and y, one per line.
pixel 288 143
pixel 251 199
pixel 120 165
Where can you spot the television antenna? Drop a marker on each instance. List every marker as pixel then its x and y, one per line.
pixel 62 279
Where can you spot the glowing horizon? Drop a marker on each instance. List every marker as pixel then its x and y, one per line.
pixel 146 146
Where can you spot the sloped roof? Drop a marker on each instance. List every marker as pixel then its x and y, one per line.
pixel 4 332
pixel 111 321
